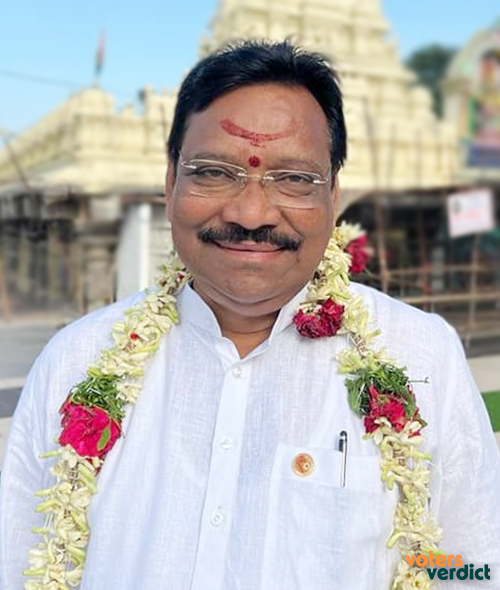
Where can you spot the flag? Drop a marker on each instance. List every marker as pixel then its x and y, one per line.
pixel 99 56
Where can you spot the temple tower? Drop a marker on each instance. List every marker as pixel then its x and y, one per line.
pixel 395 140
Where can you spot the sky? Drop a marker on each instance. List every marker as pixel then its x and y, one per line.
pixel 155 43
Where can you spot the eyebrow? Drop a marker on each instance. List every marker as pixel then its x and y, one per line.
pixel 303 164
pixel 221 157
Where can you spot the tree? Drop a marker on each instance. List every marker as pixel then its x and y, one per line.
pixel 430 64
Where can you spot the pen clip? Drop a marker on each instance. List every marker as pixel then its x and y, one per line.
pixel 343 450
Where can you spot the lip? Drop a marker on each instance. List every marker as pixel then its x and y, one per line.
pixel 248 246
pixel 250 250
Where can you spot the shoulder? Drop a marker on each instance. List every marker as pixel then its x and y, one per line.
pixel 422 342
pixel 62 363
pixel 66 357
pixel 407 327
pixel 89 333
pixel 434 359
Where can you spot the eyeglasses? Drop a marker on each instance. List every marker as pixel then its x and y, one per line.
pixel 285 188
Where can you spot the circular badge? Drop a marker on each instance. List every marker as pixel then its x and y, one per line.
pixel 303 465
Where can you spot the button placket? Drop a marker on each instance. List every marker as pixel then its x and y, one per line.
pixel 222 479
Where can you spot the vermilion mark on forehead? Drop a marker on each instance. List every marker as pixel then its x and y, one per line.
pixel 256 139
pixel 254 161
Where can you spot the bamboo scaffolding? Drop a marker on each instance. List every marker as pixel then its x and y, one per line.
pixel 379 216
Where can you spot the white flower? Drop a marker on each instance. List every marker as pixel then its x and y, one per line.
pixel 345 233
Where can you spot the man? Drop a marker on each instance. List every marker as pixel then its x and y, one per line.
pixel 232 471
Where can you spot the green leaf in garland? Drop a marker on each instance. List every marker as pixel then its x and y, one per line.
pixel 104 438
pixel 390 379
pixel 410 405
pixel 100 391
pixel 353 392
pixel 358 395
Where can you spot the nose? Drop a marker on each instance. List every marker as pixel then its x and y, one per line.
pixel 251 208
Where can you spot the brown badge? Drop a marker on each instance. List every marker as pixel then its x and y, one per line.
pixel 303 464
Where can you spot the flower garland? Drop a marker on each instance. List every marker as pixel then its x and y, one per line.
pixel 381 393
pixel 91 424
pixel 92 415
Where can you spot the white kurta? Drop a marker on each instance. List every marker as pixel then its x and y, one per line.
pixel 200 493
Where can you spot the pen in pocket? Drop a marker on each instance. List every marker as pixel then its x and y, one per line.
pixel 343 450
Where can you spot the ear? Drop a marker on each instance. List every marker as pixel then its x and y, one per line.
pixel 169 188
pixel 336 200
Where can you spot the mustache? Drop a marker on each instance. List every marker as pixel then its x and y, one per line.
pixel 235 233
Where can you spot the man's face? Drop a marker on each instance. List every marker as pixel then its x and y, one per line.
pixel 258 128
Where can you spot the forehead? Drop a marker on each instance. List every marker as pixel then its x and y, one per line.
pixel 265 119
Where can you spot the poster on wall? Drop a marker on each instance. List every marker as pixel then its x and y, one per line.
pixel 470 212
pixel 484 112
pixel 475 76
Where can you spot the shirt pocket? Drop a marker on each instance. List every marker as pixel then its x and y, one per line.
pixel 321 534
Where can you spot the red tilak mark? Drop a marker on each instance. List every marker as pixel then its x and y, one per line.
pixel 254 161
pixel 256 139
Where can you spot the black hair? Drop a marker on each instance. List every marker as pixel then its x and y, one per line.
pixel 260 62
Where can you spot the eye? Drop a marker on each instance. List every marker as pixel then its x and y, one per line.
pixel 295 183
pixel 212 172
pixel 294 178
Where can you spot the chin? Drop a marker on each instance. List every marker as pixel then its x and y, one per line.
pixel 260 299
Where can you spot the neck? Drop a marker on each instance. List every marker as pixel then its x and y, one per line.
pixel 245 331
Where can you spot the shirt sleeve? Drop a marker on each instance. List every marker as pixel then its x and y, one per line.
pixel 22 474
pixel 470 462
pixel 34 427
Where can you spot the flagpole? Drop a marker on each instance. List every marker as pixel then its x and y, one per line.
pixel 99 58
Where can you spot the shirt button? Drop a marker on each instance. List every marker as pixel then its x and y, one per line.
pixel 237 371
pixel 226 443
pixel 303 464
pixel 217 518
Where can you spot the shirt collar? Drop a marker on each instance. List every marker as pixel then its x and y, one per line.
pixel 194 310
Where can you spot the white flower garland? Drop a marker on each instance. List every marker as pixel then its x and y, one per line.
pixel 57 562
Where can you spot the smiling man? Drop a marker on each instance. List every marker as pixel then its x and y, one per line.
pixel 252 209
pixel 229 451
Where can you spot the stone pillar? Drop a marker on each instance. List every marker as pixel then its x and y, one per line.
pixel 23 262
pixel 97 235
pixel 134 250
pixel 75 275
pixel 54 263
pixel 99 271
pixel 38 279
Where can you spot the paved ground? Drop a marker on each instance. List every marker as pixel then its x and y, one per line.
pixel 22 340
pixel 20 343
pixel 486 371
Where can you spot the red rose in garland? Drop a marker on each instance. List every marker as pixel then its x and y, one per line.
pixel 385 405
pixel 360 254
pixel 88 429
pixel 391 406
pixel 324 322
